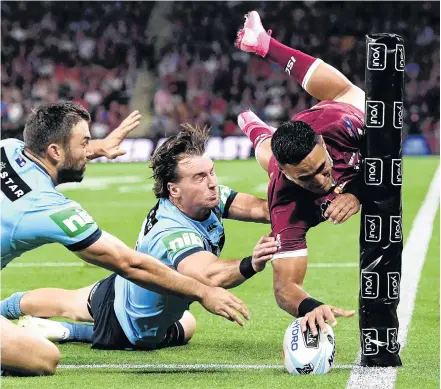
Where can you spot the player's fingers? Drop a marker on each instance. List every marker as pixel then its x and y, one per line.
pixel 268 239
pixel 348 215
pixel 338 312
pixel 329 316
pixel 234 316
pixel 239 306
pixel 321 323
pixel 336 210
pixel 304 322
pixel 312 325
pixel 268 245
pixel 343 212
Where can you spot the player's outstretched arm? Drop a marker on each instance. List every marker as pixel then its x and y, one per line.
pixel 248 208
pixel 288 276
pixel 318 78
pixel 109 146
pixel 150 273
pixel 209 269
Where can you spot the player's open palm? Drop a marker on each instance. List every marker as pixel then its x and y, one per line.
pixel 342 208
pixel 223 303
pixel 111 147
pixel 322 314
pixel 263 252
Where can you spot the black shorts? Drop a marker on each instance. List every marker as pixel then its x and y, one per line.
pixel 107 332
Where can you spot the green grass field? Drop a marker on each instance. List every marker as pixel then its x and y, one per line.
pixel 118 197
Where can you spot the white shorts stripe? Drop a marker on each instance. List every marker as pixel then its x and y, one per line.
pixel 291 254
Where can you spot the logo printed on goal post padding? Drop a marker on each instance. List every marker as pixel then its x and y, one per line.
pixel 376 57
pixel 392 341
pixel 393 285
pixel 369 341
pixel 395 234
pixel 400 61
pixel 372 228
pixel 396 174
pixel 374 114
pixel 398 114
pixel 373 171
pixel 370 285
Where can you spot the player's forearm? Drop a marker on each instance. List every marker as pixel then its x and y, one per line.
pixel 289 296
pixel 250 209
pixel 225 274
pixel 318 78
pixel 150 273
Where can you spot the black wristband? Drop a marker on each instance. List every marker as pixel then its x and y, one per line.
pixel 308 305
pixel 246 267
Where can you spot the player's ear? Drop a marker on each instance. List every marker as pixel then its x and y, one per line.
pixel 55 153
pixel 173 190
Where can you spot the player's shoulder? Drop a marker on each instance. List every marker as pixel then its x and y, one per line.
pixel 11 143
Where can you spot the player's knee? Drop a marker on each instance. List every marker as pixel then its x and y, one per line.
pixel 188 322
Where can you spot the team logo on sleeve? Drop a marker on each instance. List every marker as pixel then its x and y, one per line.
pixel 182 240
pixel 73 221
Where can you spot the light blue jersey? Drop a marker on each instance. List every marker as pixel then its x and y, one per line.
pixel 169 235
pixel 33 212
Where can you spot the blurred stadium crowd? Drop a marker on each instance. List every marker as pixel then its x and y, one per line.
pixel 92 52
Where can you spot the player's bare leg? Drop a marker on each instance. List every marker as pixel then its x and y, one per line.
pixel 23 353
pixel 188 322
pixel 54 302
pixel 318 78
pixel 259 134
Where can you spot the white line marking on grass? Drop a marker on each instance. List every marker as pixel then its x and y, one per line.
pixel 79 264
pixel 414 255
pixel 201 366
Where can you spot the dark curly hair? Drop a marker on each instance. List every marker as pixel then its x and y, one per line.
pixel 164 162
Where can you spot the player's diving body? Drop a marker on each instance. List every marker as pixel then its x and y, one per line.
pixel 185 232
pixel 312 162
pixel 56 149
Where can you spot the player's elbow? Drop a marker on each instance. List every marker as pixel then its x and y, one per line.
pixel 126 264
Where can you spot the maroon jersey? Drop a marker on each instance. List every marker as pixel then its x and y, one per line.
pixel 293 209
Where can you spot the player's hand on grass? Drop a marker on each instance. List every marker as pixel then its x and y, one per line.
pixel 263 252
pixel 342 208
pixel 110 144
pixel 322 314
pixel 223 303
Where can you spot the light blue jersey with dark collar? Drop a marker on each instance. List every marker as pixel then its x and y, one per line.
pixel 33 212
pixel 169 235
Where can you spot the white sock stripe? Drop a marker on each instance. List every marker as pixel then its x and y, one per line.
pixel 311 70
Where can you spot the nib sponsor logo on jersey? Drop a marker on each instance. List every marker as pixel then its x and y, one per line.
pixel 374 114
pixel 373 171
pixel 400 60
pixel 372 228
pixel 289 65
pixel 182 240
pixel 73 221
pixel 370 285
pixel 376 57
pixel 395 234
